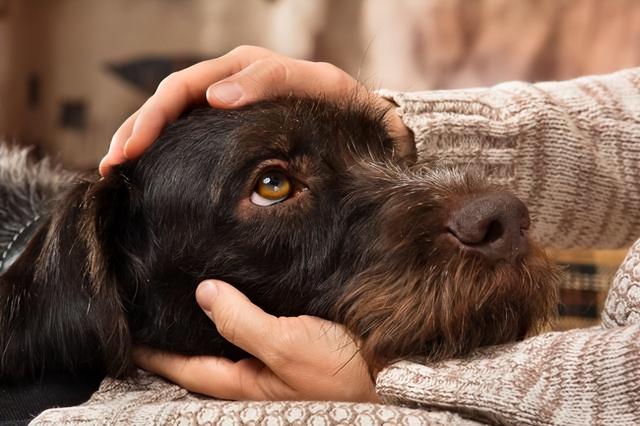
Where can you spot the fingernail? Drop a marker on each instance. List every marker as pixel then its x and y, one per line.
pixel 227 92
pixel 205 294
pixel 103 167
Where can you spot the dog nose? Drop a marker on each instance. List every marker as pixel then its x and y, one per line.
pixel 493 225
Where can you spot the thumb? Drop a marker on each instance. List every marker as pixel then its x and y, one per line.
pixel 236 318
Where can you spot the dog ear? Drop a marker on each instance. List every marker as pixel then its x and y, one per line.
pixel 104 219
pixel 62 306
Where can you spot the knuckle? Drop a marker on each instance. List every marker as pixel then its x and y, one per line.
pixel 277 71
pixel 327 67
pixel 247 50
pixel 245 380
pixel 122 131
pixel 242 48
pixel 332 74
pixel 285 342
pixel 277 358
pixel 168 82
pixel 225 323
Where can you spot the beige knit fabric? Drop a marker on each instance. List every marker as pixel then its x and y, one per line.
pixel 572 151
pixel 152 400
pixel 578 377
pixel 623 301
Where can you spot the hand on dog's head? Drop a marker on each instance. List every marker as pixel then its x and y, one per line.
pixel 304 207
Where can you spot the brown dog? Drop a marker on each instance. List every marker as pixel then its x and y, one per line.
pixel 302 205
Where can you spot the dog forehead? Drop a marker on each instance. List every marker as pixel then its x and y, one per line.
pixel 290 128
pixel 219 148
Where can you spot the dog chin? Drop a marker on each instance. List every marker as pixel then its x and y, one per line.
pixel 449 307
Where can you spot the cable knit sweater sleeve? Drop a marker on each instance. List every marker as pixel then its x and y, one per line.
pixel 580 377
pixel 570 150
pixel 573 151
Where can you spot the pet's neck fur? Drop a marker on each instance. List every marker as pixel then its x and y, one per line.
pixel 26 190
pixel 12 247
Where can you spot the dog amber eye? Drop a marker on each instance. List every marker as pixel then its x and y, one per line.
pixel 272 187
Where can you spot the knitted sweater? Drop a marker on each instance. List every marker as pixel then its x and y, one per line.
pixel 571 150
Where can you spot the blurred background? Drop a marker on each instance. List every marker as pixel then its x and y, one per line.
pixel 72 70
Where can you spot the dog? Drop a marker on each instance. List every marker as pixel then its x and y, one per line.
pixel 304 205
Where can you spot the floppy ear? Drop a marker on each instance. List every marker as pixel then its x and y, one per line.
pixel 62 307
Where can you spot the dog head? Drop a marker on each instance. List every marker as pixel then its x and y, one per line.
pixel 305 207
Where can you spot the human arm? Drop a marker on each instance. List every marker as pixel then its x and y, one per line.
pixel 576 377
pixel 570 150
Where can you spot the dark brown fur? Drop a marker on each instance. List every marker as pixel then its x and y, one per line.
pixel 115 262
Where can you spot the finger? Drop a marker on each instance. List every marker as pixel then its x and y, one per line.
pixel 115 154
pixel 238 320
pixel 181 89
pixel 214 376
pixel 277 76
pixel 193 373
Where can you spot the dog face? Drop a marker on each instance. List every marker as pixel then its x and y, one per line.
pixel 306 209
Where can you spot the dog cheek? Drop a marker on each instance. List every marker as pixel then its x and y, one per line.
pixel 385 311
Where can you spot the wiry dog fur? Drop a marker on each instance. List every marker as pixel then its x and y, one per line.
pixel 115 262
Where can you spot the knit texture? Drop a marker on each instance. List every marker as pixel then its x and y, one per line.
pixel 151 400
pixel 623 301
pixel 578 377
pixel 571 150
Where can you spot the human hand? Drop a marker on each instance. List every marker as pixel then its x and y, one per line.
pixel 296 358
pixel 243 76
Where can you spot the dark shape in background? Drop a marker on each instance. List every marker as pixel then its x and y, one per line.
pixel 146 73
pixel 73 115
